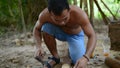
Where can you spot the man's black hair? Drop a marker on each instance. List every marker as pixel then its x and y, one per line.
pixel 57 6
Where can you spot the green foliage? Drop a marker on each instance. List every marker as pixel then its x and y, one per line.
pixel 9 12
pixel 10 15
pixel 117 1
pixel 70 2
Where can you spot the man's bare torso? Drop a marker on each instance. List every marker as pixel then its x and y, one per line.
pixel 73 24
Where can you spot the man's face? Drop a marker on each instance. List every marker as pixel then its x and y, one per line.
pixel 61 19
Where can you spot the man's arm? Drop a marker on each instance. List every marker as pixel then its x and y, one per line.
pixel 37 34
pixel 89 31
pixel 84 22
pixel 39 53
pixel 37 29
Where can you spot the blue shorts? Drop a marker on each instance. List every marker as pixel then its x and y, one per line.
pixel 75 41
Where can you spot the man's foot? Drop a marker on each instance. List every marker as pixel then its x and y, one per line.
pixel 52 62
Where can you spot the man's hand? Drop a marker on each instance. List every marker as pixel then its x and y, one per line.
pixel 39 54
pixel 81 63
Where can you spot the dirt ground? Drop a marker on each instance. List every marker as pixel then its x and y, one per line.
pixel 16 53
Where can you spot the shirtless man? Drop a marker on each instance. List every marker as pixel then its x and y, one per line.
pixel 66 23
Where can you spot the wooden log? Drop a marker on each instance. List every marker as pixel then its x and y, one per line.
pixel 112 63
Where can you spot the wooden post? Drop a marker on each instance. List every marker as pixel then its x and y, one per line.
pixel 112 63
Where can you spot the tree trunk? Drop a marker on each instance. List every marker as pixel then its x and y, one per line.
pixel 91 11
pixel 86 6
pixel 81 2
pixel 22 17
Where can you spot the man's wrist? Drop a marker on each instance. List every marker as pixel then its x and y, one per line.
pixel 86 57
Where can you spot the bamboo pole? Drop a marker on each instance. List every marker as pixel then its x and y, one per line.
pixel 109 10
pixel 106 20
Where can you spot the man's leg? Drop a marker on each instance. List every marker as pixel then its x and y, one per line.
pixel 76 46
pixel 51 44
pixel 50 33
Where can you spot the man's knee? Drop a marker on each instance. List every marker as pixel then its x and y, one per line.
pixel 48 28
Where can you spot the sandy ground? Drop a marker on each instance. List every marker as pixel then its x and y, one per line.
pixel 14 55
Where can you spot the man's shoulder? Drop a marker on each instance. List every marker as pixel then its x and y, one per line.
pixel 78 14
pixel 73 6
pixel 44 14
pixel 76 9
